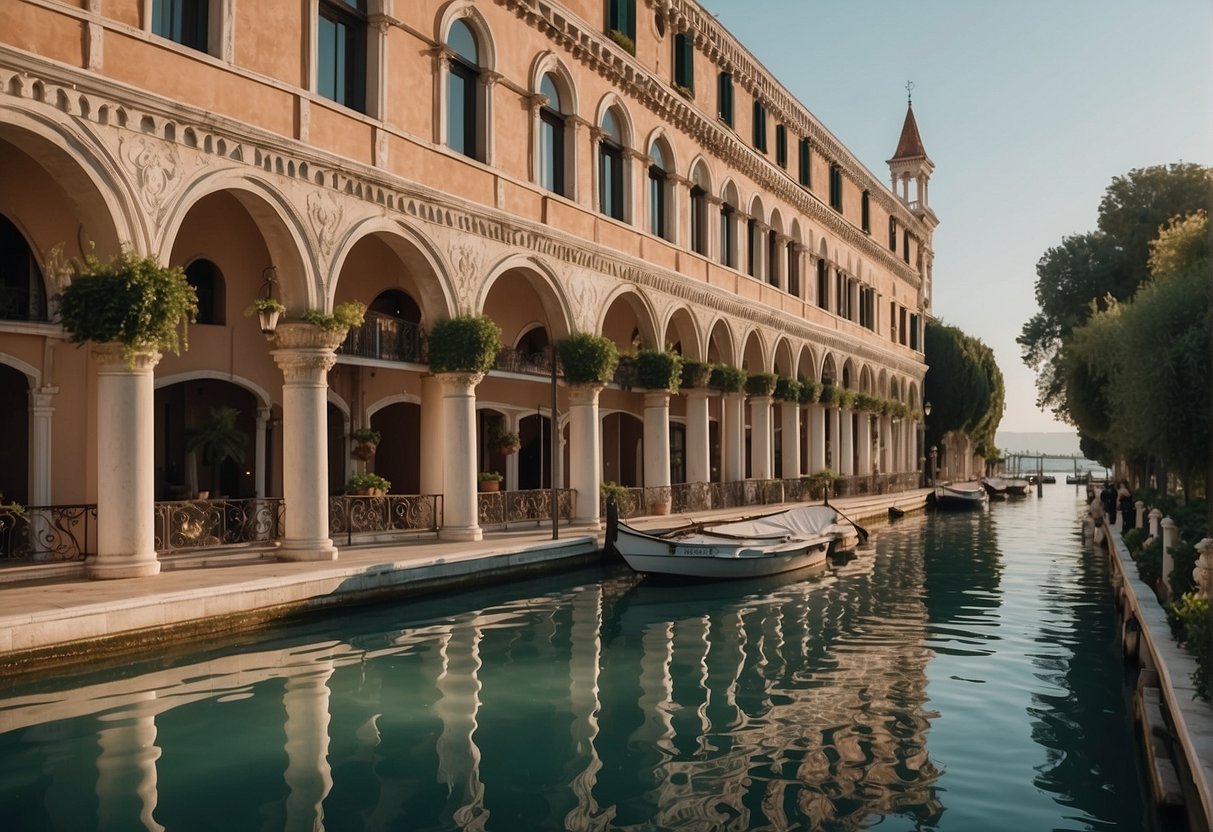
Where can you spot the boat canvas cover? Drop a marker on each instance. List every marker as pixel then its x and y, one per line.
pixel 801 523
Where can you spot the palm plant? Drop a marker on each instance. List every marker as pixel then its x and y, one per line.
pixel 219 440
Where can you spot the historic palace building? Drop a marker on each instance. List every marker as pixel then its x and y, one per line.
pixel 623 168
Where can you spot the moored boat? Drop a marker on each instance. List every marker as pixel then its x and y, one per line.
pixel 996 487
pixel 794 539
pixel 961 495
pixel 1017 487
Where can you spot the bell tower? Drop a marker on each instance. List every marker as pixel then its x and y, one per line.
pixel 910 162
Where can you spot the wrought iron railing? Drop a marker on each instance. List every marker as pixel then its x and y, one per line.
pixel 353 514
pixel 497 508
pixel 39 534
pixel 201 524
pixel 511 360
pixel 387 338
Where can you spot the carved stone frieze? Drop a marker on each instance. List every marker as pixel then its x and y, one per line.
pixel 467 272
pixel 324 213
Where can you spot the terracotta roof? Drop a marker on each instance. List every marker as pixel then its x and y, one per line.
pixel 910 144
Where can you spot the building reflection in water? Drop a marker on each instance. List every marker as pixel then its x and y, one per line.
pixel 613 704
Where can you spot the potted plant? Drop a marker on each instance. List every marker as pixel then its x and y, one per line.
pixel 218 439
pixel 828 394
pixel 367 485
pixel 617 494
pixel 787 390
pixel 694 374
pixel 132 301
pixel 489 480
pixel 267 311
pixel 659 500
pixel 365 442
pixel 658 370
pixel 727 379
pixel 464 344
pixel 809 391
pixel 760 384
pixel 505 442
pixel 821 484
pixel 345 315
pixel 588 359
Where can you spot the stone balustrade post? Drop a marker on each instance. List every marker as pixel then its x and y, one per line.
pixel 1155 519
pixel 1170 536
pixel 1140 516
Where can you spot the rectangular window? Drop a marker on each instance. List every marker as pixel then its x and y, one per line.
pixel 806 159
pixel 728 236
pixel 684 61
pixel 866 213
pixel 892 234
pixel 751 247
pixel 610 180
pixel 341 53
pixel 760 126
pixel 901 326
pixel 781 145
pixel 836 188
pixel 184 21
pixel 621 18
pixel 905 245
pixel 823 285
pixel 725 98
pixel 914 336
pixel 551 141
pixel 657 182
pixel 699 205
pixel 893 321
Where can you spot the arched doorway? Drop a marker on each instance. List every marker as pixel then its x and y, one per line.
pixel 535 455
pixel 14 424
pixel 398 457
pixel 184 410
pixel 622 449
pixel 22 289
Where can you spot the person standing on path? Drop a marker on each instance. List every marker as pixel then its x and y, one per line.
pixel 1107 499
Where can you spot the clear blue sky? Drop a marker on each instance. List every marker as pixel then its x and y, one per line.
pixel 1027 108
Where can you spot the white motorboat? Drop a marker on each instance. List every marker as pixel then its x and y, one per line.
pixel 797 538
pixel 960 495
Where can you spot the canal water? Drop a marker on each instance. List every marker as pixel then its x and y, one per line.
pixel 962 674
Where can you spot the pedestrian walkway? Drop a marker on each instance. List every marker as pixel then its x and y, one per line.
pixel 63 620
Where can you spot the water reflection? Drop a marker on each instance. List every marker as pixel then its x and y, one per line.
pixel 601 701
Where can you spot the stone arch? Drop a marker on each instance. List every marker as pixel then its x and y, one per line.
pixel 520 276
pixel 660 136
pixel 806 364
pixel 882 383
pixel 387 401
pixel 848 375
pixel 867 384
pixel 640 307
pixel 722 343
pixel 612 102
pixel 415 252
pixel 730 194
pixel 783 362
pixel 32 373
pixel 260 393
pixel 682 329
pixel 281 227
pixel 754 354
pixel 700 173
pixel 87 176
pixel 755 208
pixel 830 371
pixel 776 222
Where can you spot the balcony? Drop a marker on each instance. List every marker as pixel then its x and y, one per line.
pixel 387 339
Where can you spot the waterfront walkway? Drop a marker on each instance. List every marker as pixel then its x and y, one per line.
pixel 53 621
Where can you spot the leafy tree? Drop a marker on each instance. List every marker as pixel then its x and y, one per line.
pixel 963 384
pixel 1080 276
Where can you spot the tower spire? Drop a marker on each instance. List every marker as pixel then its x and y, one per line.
pixel 910 163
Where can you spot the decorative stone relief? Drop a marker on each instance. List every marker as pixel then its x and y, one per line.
pixel 156 166
pixel 324 213
pixel 585 296
pixel 466 269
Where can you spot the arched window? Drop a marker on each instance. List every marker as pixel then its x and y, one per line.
pixel 700 187
pixel 208 284
pixel 610 167
pixel 551 138
pixel 22 290
pixel 658 185
pixel 463 93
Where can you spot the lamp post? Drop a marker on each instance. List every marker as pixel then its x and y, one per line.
pixel 934 455
pixel 922 442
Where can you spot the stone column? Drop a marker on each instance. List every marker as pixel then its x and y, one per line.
pixel 817 438
pixel 308 775
pixel 263 420
pixel 127 777
pixel 790 426
pixel 760 437
pixel 41 416
pixel 733 431
pixel 698 451
pixel 126 468
pixel 433 449
pixel 305 355
pixel 460 509
pixel 585 452
pixel 1203 573
pixel 834 414
pixel 865 443
pixel 886 445
pixel 846 442
pixel 657 439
